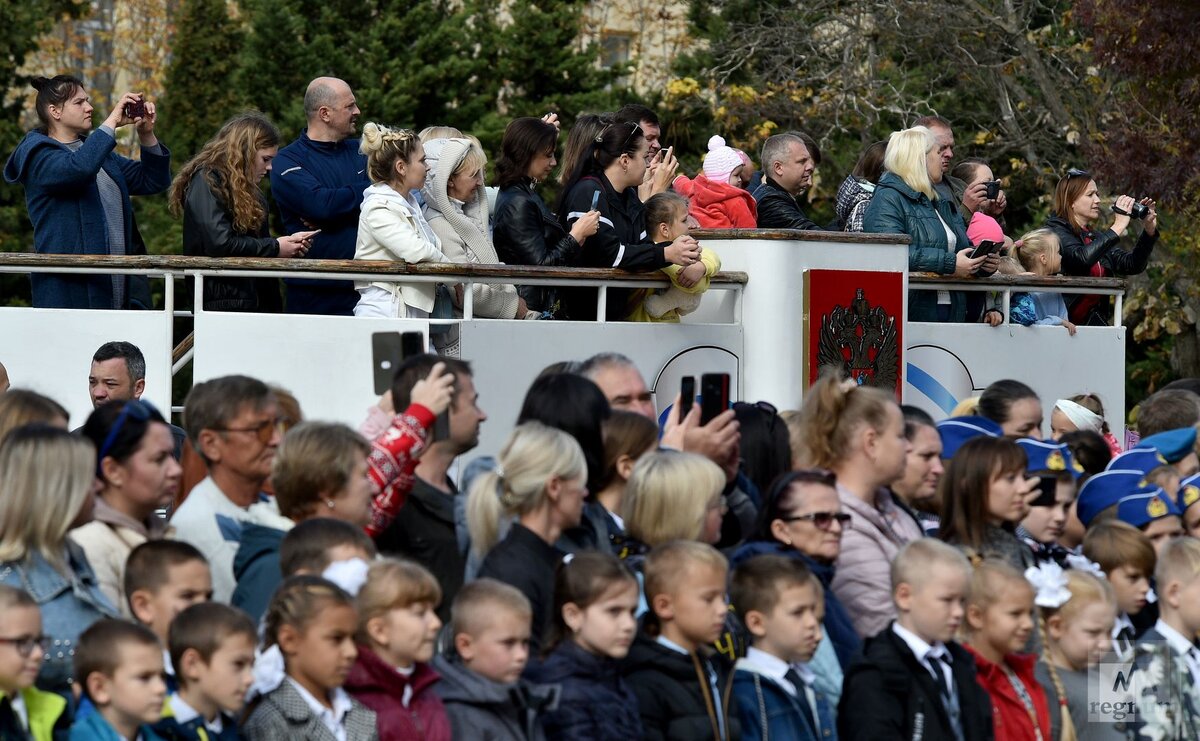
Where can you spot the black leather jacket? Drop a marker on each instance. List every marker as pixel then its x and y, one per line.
pixel 208 231
pixel 777 209
pixel 526 233
pixel 1104 248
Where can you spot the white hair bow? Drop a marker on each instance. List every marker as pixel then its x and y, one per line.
pixel 269 672
pixel 350 574
pixel 1050 581
pixel 1085 564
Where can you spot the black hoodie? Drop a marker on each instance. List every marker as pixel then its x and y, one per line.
pixel 674 694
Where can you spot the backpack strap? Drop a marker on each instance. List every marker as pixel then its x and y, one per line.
pixel 762 708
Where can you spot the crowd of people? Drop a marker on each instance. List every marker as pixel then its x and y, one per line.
pixel 848 569
pixel 852 568
pixel 397 195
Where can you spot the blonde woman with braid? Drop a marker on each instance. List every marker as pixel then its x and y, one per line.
pixel 391 225
pixel 225 214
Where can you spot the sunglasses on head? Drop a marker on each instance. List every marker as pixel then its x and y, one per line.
pixel 1076 173
pixel 142 411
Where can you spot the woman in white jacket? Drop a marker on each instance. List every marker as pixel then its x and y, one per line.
pixel 391 225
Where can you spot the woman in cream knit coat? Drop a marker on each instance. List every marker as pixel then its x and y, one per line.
pixel 391 225
pixel 456 207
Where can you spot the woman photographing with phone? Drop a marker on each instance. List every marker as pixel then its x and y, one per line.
pixel 77 191
pixel 1098 252
pixel 225 213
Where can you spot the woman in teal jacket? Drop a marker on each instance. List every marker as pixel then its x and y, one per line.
pixel 906 203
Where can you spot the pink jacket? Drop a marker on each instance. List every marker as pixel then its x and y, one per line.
pixel 862 577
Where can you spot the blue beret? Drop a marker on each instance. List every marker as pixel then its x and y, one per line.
pixel 1140 510
pixel 1173 444
pixel 1140 459
pixel 1189 492
pixel 956 431
pixel 1047 455
pixel 1106 489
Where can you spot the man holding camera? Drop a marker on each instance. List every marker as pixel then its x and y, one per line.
pixel 977 197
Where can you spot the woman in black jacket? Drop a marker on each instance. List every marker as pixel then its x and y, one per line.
pixel 607 177
pixel 225 214
pixel 1094 253
pixel 525 232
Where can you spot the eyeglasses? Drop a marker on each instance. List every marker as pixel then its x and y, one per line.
pixel 142 411
pixel 1075 172
pixel 26 644
pixel 265 430
pixel 823 520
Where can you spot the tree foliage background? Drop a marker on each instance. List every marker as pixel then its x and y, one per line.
pixel 1033 86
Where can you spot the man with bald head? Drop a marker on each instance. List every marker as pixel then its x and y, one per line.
pixel 318 183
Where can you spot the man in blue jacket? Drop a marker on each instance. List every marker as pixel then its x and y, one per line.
pixel 318 182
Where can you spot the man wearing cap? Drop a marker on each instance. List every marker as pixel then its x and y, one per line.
pixel 1154 514
pixel 1163 459
pixel 956 431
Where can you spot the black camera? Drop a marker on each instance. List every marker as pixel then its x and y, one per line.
pixel 1139 210
pixel 993 189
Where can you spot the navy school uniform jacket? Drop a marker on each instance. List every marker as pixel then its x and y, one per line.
pixel 888 694
pixel 675 697
pixel 595 704
pixel 321 183
pixel 620 242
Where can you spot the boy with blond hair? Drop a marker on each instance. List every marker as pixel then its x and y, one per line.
pixel 1127 558
pixel 1169 706
pixel 781 603
pixel 481 685
pixel 913 680
pixel 682 687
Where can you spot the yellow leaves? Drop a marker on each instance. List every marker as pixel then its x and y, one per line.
pixel 686 87
pixel 765 129
pixel 983 137
pixel 741 94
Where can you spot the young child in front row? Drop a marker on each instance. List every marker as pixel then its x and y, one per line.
pixel 912 679
pixel 667 219
pixel 1169 706
pixel 592 629
pixel 34 714
pixel 782 605
pixel 1078 633
pixel 311 624
pixel 999 621
pixel 397 632
pixel 1038 252
pixel 481 685
pixel 1126 556
pixel 162 579
pixel 120 668
pixel 313 545
pixel 682 688
pixel 212 649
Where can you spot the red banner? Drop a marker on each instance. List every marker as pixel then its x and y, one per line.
pixel 854 320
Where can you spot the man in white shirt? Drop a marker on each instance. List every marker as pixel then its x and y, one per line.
pixel 234 424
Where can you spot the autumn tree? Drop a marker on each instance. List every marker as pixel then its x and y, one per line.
pixel 200 94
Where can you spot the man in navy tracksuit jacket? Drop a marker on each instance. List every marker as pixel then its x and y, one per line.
pixel 318 182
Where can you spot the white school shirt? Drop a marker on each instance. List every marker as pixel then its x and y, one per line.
pixel 923 650
pixel 334 720
pixel 185 713
pixel 1181 646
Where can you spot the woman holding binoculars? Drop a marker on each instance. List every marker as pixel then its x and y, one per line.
pixel 1097 252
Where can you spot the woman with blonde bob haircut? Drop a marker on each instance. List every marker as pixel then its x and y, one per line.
pixel 225 214
pixel 48 478
pixel 674 496
pixel 905 202
pixel 541 482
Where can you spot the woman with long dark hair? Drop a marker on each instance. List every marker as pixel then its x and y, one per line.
pixel 1097 252
pixel 77 191
pixel 607 178
pixel 525 232
pixel 225 214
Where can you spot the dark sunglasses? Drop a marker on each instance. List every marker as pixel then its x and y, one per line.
pixel 823 520
pixel 1076 173
pixel 142 411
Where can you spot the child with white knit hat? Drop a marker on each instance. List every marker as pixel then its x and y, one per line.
pixel 717 199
